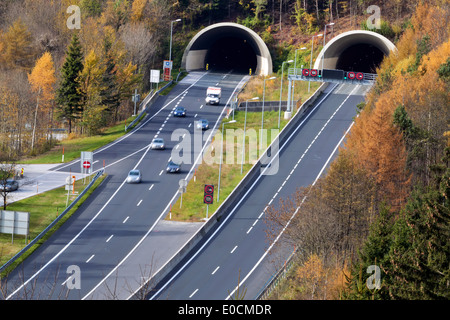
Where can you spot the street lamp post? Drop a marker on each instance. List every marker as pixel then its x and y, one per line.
pixel 221 156
pixel 295 68
pixel 171 32
pixel 245 126
pixel 281 90
pixel 324 36
pixel 262 116
pixel 310 63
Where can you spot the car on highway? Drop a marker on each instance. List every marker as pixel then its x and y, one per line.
pixel 158 143
pixel 9 185
pixel 179 112
pixel 202 124
pixel 134 176
pixel 173 167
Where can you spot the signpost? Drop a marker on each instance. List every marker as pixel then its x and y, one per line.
pixel 70 185
pixel 15 222
pixel 208 196
pixel 155 77
pixel 87 159
pixel 182 189
pixel 167 70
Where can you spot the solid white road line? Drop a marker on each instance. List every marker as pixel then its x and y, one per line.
pixel 108 201
pixel 283 230
pixel 168 205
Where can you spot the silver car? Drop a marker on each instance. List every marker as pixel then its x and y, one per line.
pixel 134 176
pixel 158 144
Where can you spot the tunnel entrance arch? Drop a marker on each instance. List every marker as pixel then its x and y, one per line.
pixel 226 46
pixel 357 50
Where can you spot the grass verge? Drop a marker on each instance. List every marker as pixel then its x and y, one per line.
pixel 191 208
pixel 73 147
pixel 43 208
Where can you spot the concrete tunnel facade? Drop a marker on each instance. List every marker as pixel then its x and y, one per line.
pixel 357 50
pixel 226 46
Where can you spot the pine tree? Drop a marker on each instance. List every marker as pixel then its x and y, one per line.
pixel 109 94
pixel 68 95
pixel 420 253
pixel 375 251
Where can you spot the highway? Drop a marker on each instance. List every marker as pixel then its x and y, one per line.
pixel 237 248
pixel 116 220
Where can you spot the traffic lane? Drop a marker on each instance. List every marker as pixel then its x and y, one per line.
pixel 319 155
pixel 158 161
pixel 173 184
pixel 136 139
pixel 177 180
pixel 241 227
pixel 58 241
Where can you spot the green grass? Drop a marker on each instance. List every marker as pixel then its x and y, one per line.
pixel 193 209
pixel 43 209
pixel 73 147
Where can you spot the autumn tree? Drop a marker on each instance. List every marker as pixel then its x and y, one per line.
pixel 90 81
pixel 42 79
pixel 380 149
pixel 68 94
pixel 17 47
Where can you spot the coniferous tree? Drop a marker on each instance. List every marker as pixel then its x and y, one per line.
pixel 374 252
pixel 109 93
pixel 68 95
pixel 420 254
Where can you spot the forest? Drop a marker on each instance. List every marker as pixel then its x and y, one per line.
pixel 385 199
pixel 384 204
pixel 82 79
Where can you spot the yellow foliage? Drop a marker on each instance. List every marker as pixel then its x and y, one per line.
pixel 42 77
pixel 137 10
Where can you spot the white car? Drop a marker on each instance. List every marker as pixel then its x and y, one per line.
pixel 158 144
pixel 134 176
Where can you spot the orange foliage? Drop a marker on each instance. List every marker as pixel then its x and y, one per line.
pixel 379 148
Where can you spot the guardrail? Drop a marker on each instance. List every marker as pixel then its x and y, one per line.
pixel 331 75
pixel 148 101
pixel 53 223
pixel 275 279
pixel 236 195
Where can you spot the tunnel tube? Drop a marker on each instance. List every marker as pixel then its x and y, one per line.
pixel 226 46
pixel 357 50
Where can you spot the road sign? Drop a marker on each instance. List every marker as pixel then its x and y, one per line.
pixel 208 197
pixel 87 159
pixel 167 70
pixel 155 76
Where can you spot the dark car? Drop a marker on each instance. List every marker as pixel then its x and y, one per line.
pixel 179 112
pixel 10 185
pixel 173 167
pixel 202 124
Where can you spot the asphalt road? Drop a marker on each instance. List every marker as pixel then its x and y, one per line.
pixel 82 259
pixel 237 250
